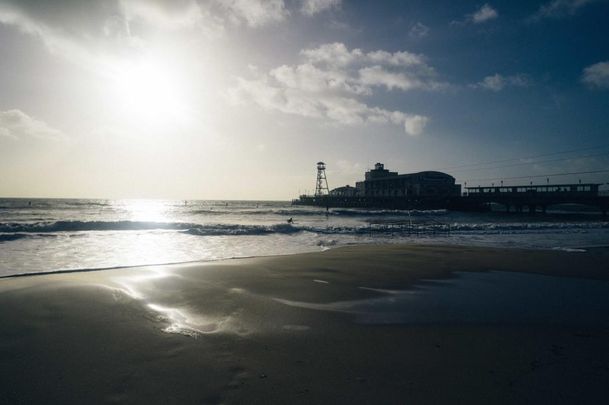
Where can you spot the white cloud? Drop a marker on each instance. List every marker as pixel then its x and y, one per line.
pixel 256 13
pixel 332 79
pixel 597 75
pixel 312 7
pixel 309 77
pixel 559 8
pixel 482 15
pixel 17 125
pixel 378 76
pixel 419 30
pixel 400 58
pixel 415 124
pixel 335 54
pixel 498 82
pixel 485 13
pixel 338 54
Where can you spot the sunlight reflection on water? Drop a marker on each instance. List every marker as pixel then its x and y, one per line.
pixel 182 321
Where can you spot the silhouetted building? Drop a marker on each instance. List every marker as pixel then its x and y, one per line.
pixel 383 188
pixel 379 172
pixel 380 182
pixel 346 191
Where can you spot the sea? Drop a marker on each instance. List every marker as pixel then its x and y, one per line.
pixel 49 235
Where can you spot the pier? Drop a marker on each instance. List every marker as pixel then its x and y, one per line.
pixel 427 190
pixel 534 197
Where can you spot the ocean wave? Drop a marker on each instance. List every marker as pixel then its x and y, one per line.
pixel 61 204
pixel 260 212
pixel 7 237
pixel 523 226
pixel 76 226
pixel 236 230
pixel 12 236
pixel 393 229
pixel 15 230
pixel 377 213
pixel 305 212
pixel 9 230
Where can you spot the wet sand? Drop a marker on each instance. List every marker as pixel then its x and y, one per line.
pixel 222 333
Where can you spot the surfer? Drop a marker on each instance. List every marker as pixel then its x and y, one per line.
pixel 290 221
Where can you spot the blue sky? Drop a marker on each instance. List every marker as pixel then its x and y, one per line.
pixel 239 99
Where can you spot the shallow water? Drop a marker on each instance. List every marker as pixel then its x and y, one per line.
pixel 484 298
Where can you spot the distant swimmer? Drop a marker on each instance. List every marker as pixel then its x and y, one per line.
pixel 290 221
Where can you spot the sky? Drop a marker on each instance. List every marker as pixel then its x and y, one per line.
pixel 239 99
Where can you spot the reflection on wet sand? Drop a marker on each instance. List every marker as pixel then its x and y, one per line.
pixel 181 321
pixel 490 297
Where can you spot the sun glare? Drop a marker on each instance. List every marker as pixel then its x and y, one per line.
pixel 146 210
pixel 148 92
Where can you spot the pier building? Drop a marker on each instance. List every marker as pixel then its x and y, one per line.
pixel 384 188
pixel 380 182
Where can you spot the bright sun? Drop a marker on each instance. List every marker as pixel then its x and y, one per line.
pixel 148 92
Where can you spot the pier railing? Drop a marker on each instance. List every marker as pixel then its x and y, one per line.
pixel 535 196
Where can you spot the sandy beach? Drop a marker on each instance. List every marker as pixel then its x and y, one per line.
pixel 283 330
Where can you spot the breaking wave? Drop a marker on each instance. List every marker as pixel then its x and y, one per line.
pixel 76 226
pixel 236 230
pixel 17 230
pixel 305 212
pixel 12 236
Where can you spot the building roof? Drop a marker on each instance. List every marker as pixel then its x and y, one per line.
pixel 417 174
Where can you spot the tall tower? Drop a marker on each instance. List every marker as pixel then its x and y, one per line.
pixel 322 182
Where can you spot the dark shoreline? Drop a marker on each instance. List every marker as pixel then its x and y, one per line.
pixel 578 249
